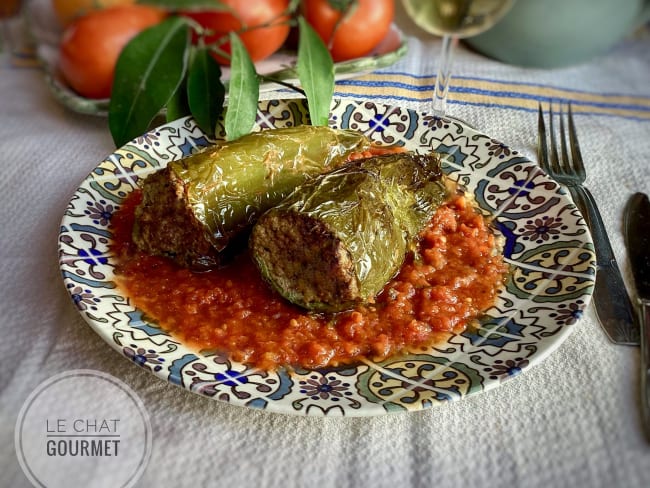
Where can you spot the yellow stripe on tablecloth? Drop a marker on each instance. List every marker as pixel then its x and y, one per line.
pixel 24 58
pixel 486 92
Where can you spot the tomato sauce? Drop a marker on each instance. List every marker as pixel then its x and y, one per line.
pixel 454 276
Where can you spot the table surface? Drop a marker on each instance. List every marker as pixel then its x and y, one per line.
pixel 572 420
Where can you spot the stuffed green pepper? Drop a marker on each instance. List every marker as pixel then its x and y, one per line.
pixel 195 208
pixel 339 238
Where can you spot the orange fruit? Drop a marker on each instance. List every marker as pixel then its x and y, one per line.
pixel 68 10
pixel 91 45
pixel 262 26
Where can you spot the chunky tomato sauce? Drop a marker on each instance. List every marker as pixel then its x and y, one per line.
pixel 455 275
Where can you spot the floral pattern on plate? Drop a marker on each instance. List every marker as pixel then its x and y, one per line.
pixel 546 242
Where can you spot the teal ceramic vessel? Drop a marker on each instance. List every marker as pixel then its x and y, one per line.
pixel 556 33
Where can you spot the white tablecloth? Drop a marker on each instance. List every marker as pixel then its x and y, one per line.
pixel 572 421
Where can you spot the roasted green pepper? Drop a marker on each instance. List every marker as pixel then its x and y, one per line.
pixel 193 209
pixel 339 238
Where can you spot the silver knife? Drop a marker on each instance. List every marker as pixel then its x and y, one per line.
pixel 611 302
pixel 636 226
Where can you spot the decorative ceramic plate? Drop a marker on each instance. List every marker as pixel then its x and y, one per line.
pixel 546 243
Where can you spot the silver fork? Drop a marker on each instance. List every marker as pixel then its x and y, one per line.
pixel 612 304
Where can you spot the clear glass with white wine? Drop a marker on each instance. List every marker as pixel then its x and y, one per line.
pixel 453 20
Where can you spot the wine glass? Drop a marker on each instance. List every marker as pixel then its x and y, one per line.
pixel 453 19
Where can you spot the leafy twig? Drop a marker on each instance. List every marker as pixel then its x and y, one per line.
pixel 316 73
pixel 160 69
pixel 139 94
pixel 244 91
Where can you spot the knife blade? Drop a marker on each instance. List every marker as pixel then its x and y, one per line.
pixel 611 302
pixel 636 227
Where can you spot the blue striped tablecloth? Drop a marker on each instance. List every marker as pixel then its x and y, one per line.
pixel 400 86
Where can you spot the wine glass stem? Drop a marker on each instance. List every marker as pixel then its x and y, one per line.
pixel 444 75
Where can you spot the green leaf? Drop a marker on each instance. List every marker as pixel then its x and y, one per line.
pixel 316 73
pixel 185 4
pixel 243 91
pixel 148 72
pixel 205 91
pixel 178 106
pixel 342 5
pixel 294 5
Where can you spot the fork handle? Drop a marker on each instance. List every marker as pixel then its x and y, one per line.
pixel 584 200
pixel 613 305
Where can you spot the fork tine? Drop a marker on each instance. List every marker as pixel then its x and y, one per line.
pixel 542 148
pixel 565 162
pixel 576 155
pixel 555 163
